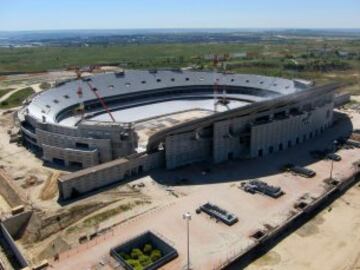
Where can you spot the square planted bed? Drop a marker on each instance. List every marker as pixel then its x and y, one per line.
pixel 144 252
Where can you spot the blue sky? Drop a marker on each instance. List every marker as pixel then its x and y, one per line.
pixel 120 14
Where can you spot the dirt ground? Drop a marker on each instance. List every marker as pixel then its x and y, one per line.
pixel 330 241
pixel 27 171
pixel 4 206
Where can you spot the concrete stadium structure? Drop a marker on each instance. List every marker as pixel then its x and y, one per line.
pixel 277 114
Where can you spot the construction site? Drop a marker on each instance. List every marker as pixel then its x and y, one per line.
pixel 92 165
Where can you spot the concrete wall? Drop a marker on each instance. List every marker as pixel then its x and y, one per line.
pixel 341 99
pixel 13 248
pixel 231 139
pixel 87 158
pixel 56 142
pixel 187 148
pixel 122 137
pixel 109 173
pixel 15 224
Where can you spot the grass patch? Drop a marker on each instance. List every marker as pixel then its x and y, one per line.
pixel 3 92
pixel 17 98
pixel 98 218
pixel 72 229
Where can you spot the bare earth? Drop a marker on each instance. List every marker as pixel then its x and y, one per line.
pixel 330 241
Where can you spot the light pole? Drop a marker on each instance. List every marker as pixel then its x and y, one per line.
pixel 187 217
pixel 331 169
pixel 332 160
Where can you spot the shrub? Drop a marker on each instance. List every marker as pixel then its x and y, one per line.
pixel 145 260
pixel 45 85
pixel 136 253
pixel 125 256
pixel 148 249
pixel 134 264
pixel 155 255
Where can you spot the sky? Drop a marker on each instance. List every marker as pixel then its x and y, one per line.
pixel 18 15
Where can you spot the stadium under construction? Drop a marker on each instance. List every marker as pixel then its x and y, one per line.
pixel 113 126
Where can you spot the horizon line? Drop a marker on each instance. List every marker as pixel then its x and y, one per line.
pixel 188 28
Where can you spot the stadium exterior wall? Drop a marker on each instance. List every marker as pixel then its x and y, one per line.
pixel 254 135
pixel 89 144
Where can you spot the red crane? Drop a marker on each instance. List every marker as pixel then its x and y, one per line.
pixel 103 104
pixel 94 90
pixel 79 92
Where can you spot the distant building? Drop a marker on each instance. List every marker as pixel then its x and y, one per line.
pixel 212 57
pixel 239 55
pixel 345 54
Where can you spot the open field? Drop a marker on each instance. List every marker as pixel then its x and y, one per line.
pixel 43 59
pixel 313 59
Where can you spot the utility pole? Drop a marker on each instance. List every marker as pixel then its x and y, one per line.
pixel 187 217
pixel 216 91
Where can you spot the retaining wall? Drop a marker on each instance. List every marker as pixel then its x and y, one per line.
pixel 15 224
pixel 12 246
